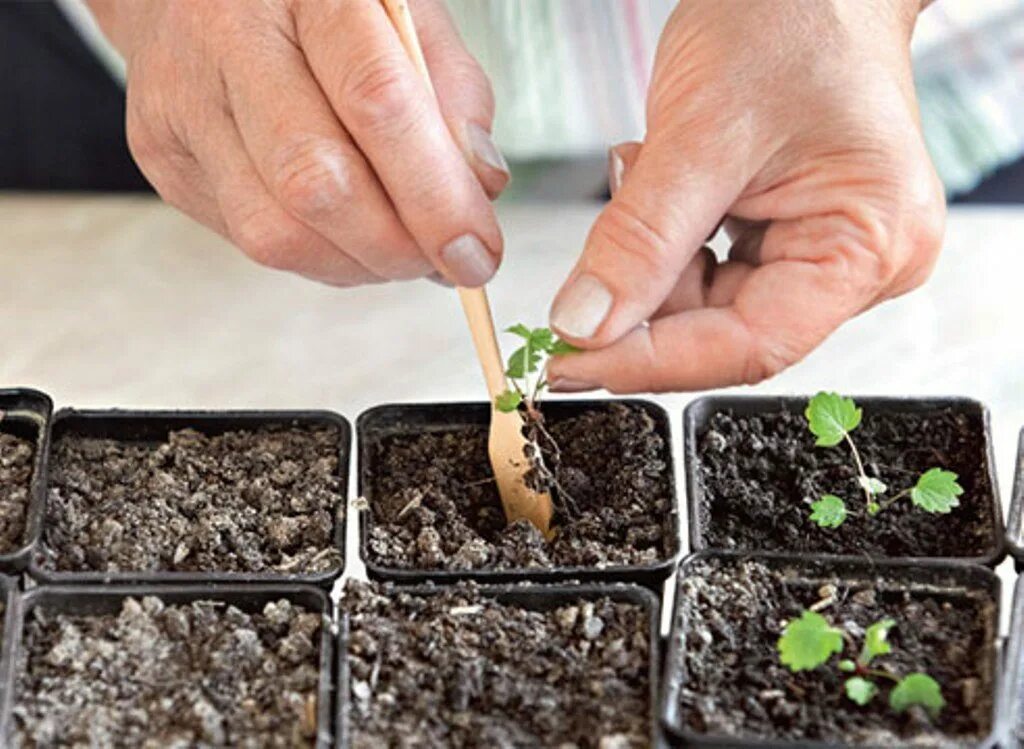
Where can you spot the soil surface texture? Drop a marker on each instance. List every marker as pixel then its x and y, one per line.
pixel 760 474
pixel 458 669
pixel 434 504
pixel 261 500
pixel 736 687
pixel 16 456
pixel 198 675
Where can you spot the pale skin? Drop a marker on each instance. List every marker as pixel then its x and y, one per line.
pixel 301 131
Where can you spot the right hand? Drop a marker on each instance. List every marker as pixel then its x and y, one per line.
pixel 301 131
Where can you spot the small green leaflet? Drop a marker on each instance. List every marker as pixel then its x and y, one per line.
pixel 808 642
pixel 829 511
pixel 560 348
pixel 872 485
pixel 876 640
pixel 538 341
pixel 860 690
pixel 847 665
pixel 508 401
pixel 917 689
pixel 831 417
pixel 937 491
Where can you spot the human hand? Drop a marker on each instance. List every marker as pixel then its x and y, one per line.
pixel 797 121
pixel 302 132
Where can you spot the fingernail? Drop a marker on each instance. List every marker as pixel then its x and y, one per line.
pixel 484 148
pixel 616 170
pixel 469 261
pixel 564 385
pixel 582 308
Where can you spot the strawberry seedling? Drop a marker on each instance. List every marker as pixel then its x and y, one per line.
pixel 831 419
pixel 810 642
pixel 526 370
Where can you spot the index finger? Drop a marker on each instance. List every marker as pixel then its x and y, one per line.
pixel 358 60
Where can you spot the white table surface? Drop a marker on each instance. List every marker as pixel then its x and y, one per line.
pixel 123 302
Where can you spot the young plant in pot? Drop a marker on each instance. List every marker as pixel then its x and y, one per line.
pixel 432 507
pixel 786 651
pixel 882 477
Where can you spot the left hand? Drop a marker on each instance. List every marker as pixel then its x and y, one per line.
pixel 797 121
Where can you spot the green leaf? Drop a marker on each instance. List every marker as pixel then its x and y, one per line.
pixel 541 339
pixel 560 348
pixel 808 642
pixel 847 666
pixel 860 690
pixel 872 485
pixel 520 330
pixel 876 640
pixel 829 511
pixel 937 491
pixel 523 361
pixel 917 689
pixel 508 401
pixel 874 508
pixel 831 417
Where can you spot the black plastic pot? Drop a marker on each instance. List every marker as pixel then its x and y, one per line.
pixel 1012 695
pixel 96 599
pixel 153 427
pixel 531 597
pixel 388 420
pixel 1015 520
pixel 8 594
pixel 28 414
pixel 699 412
pixel 952 580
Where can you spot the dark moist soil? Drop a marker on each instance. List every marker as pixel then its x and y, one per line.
pixel 736 686
pixel 262 500
pixel 458 669
pixel 16 456
pixel 434 504
pixel 760 474
pixel 197 675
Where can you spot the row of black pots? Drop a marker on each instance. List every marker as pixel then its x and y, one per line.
pixel 954 583
pixel 29 412
pixel 333 715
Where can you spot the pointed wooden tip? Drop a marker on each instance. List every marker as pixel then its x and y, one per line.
pixel 507 449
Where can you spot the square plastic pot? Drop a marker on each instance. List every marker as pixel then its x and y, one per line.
pixel 951 580
pixel 28 414
pixel 1015 520
pixel 1012 697
pixel 533 598
pixel 410 419
pixel 153 427
pixel 699 412
pixel 101 600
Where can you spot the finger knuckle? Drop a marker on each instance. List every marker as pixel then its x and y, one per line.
pixel 622 236
pixel 269 243
pixel 468 77
pixel 764 361
pixel 310 180
pixel 378 91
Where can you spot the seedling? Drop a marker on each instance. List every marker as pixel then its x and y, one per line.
pixel 831 418
pixel 527 368
pixel 810 642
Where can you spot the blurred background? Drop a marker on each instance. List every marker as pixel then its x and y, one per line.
pixel 111 298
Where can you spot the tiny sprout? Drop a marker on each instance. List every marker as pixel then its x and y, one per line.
pixel 810 642
pixel 831 418
pixel 526 369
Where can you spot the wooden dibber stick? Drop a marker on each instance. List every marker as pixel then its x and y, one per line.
pixel 506 444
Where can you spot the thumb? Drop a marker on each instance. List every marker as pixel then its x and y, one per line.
pixel 464 93
pixel 668 202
